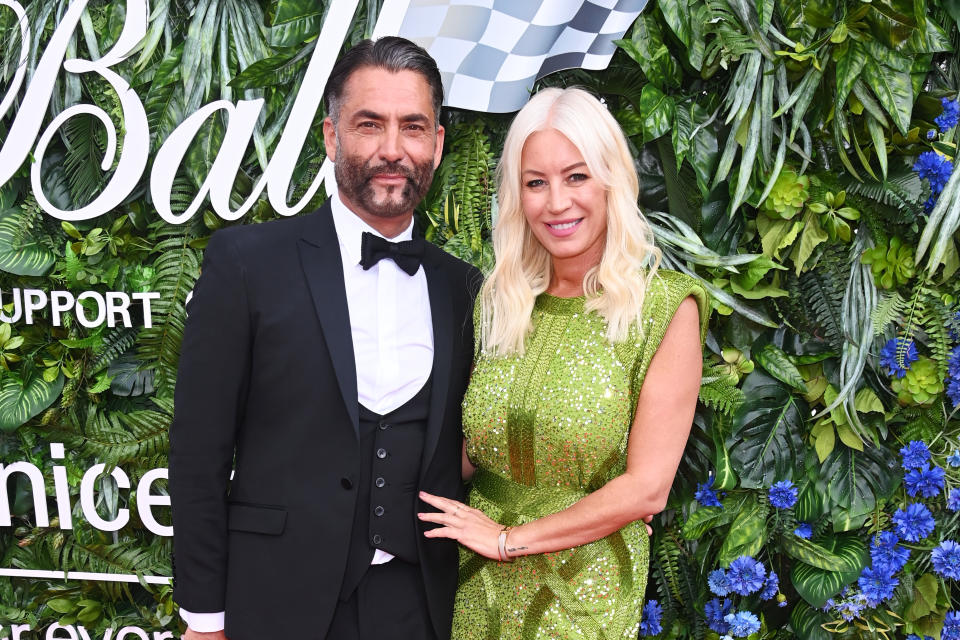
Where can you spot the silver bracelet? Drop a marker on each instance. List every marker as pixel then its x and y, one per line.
pixel 502 545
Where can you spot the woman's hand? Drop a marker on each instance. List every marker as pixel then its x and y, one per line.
pixel 468 526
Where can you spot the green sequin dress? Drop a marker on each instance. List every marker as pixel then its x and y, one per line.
pixel 544 430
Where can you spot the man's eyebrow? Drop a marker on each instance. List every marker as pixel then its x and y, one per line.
pixel 415 117
pixel 367 114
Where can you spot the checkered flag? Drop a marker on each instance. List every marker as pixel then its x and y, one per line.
pixel 490 52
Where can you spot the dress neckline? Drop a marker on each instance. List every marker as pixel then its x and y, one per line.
pixel 560 306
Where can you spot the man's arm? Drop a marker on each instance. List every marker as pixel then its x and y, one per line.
pixel 209 398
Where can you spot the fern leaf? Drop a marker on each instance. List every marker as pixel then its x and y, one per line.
pixel 890 309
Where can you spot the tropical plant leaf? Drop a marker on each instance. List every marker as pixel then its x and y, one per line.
pixel 817 585
pixel 766 444
pixel 857 481
pixel 747 533
pixel 20 402
pixel 21 252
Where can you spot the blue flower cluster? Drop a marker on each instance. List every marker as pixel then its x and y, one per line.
pixel 946 559
pixel 949 117
pixel 705 494
pixel 783 494
pixel 744 576
pixel 804 530
pixel 915 455
pixel 953 500
pixel 925 481
pixel 914 636
pixel 897 356
pixel 877 585
pixel 886 553
pixel 951 626
pixel 954 458
pixel 849 607
pixel 650 619
pixel 953 388
pixel 913 523
pixel 936 170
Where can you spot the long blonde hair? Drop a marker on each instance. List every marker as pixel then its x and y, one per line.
pixel 614 288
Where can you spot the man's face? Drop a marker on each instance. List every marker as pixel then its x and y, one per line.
pixel 385 145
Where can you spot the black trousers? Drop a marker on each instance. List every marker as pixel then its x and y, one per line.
pixel 389 604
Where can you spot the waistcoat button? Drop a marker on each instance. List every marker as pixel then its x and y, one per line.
pixel 380 482
pixel 378 511
pixel 381 453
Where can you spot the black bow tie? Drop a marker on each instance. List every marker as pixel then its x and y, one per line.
pixel 407 255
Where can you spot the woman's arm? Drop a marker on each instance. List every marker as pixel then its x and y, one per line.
pixel 466 466
pixel 657 438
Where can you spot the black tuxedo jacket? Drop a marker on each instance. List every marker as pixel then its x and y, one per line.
pixel 267 385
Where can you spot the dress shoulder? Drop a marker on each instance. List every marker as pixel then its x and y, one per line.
pixel 664 295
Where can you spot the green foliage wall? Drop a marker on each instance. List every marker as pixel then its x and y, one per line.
pixel 793 155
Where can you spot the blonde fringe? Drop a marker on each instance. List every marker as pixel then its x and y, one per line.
pixel 615 288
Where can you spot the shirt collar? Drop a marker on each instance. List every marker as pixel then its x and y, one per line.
pixel 350 229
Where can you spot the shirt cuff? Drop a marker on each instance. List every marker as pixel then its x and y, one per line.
pixel 203 622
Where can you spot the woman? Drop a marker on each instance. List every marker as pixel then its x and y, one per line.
pixel 583 390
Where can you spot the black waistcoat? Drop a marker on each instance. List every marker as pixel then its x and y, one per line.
pixel 391 446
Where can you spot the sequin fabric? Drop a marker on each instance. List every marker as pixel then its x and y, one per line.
pixel 544 430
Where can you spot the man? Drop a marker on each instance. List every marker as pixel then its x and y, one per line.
pixel 331 382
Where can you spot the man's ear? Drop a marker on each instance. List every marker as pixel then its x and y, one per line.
pixel 438 151
pixel 330 138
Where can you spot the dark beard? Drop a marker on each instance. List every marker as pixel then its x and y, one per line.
pixel 353 179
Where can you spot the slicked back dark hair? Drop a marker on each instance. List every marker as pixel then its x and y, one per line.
pixel 390 53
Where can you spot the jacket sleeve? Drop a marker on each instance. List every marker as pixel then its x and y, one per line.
pixel 210 395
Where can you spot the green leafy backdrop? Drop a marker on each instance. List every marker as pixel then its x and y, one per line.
pixel 795 156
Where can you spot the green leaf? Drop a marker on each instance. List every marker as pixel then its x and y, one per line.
pixel 61 605
pixel 295 21
pixel 817 585
pixel 894 89
pixel 677 13
pixel 647 49
pixel 767 440
pixel 891 21
pixel 281 68
pixel 724 478
pixel 813 235
pixel 807 622
pixel 810 503
pixel 777 234
pixel 856 481
pixel 704 519
pixel 657 109
pixel 778 364
pixel 816 555
pixel 19 403
pixel 746 534
pixel 924 599
pixel 20 252
pixel 825 438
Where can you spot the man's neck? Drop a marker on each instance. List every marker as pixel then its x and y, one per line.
pixel 387 227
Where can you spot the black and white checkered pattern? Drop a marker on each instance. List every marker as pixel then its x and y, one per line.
pixel 490 52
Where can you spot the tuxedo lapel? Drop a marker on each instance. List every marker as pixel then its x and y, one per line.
pixel 441 312
pixel 323 269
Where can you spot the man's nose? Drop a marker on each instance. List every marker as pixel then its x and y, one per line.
pixel 391 149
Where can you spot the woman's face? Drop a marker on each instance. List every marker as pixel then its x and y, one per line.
pixel 565 206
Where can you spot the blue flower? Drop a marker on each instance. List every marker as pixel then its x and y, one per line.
pixel 718 583
pixel 650 620
pixel 946 559
pixel 886 554
pixel 953 500
pixel 715 610
pixel 742 623
pixel 915 455
pixel 850 609
pixel 914 523
pixel 935 169
pixel 953 391
pixel 705 495
pixel 803 530
pixel 877 585
pixel 953 364
pixel 783 494
pixel 925 481
pixel 931 134
pixel 954 458
pixel 745 575
pixel 914 636
pixel 951 114
pixel 951 626
pixel 897 356
pixel 770 587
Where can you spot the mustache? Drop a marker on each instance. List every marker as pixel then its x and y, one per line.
pixel 393 168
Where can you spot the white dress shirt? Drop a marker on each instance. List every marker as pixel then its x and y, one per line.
pixel 392 332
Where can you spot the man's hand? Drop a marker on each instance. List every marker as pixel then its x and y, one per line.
pixel 199 635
